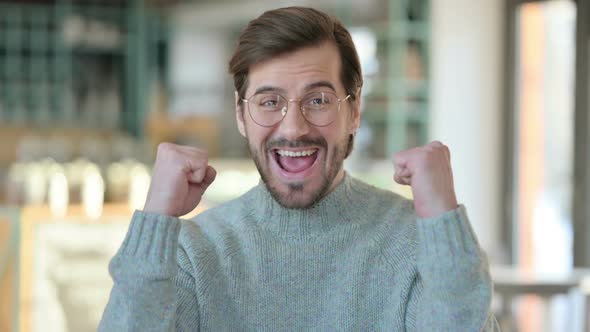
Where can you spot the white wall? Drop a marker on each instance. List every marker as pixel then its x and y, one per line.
pixel 466 67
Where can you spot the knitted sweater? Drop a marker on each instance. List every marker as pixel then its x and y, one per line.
pixel 359 260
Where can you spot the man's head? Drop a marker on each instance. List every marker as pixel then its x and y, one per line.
pixel 297 57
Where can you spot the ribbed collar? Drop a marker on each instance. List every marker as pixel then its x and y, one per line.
pixel 342 207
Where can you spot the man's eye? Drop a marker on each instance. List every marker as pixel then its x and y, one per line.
pixel 317 102
pixel 269 103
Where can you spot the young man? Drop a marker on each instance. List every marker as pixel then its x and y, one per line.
pixel 309 248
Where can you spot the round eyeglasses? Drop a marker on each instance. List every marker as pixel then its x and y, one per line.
pixel 318 108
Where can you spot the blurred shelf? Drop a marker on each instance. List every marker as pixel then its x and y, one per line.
pixel 402 30
pixel 85 49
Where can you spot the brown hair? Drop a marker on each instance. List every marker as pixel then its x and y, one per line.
pixel 288 29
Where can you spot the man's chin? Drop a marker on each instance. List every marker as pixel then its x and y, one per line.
pixel 295 195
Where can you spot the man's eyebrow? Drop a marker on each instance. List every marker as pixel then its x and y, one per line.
pixel 269 88
pixel 320 84
pixel 311 86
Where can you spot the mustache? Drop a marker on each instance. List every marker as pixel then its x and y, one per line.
pixel 300 143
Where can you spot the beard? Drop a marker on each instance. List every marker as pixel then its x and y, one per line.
pixel 300 195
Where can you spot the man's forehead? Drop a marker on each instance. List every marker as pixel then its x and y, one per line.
pixel 305 69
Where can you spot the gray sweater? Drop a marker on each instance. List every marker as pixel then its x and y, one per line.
pixel 359 260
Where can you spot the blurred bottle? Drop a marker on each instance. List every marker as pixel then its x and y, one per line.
pixel 93 192
pixel 58 195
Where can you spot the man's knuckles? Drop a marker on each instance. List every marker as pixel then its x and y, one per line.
pixel 426 158
pixel 167 149
pixel 183 157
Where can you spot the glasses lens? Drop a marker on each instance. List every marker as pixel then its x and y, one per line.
pixel 320 108
pixel 267 109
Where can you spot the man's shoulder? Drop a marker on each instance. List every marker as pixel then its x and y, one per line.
pixel 393 214
pixel 222 212
pixel 215 221
pixel 395 218
pixel 382 200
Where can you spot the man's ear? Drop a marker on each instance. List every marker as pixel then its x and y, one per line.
pixel 355 113
pixel 239 114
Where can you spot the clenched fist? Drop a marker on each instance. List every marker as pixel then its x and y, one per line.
pixel 180 177
pixel 427 169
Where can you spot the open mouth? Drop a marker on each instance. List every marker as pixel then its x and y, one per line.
pixel 295 162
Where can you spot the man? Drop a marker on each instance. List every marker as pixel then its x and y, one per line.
pixel 309 248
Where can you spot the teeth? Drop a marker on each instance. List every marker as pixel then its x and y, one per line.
pixel 296 153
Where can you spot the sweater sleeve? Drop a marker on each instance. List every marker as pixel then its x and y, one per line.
pixel 453 289
pixel 152 291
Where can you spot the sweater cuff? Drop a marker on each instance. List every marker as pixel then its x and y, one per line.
pixel 448 238
pixel 149 248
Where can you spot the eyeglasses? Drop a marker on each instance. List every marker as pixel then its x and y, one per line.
pixel 318 108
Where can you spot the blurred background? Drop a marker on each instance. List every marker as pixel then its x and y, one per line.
pixel 89 88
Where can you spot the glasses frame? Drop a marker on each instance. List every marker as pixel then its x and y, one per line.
pixel 247 101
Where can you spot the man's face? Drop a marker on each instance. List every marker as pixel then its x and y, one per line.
pixel 299 162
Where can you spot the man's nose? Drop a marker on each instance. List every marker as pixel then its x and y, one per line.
pixel 294 125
